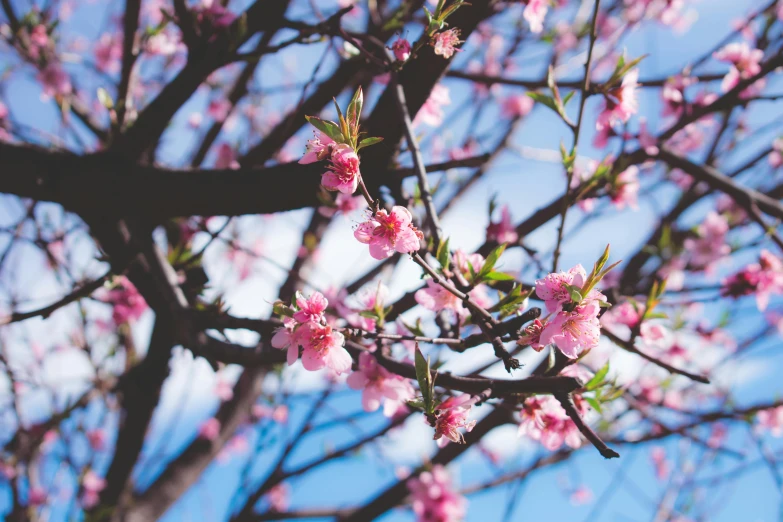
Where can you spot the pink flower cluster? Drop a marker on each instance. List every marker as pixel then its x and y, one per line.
pixel 763 279
pixel 379 384
pixel 322 346
pixel 574 328
pixel 770 420
pixel 402 49
pixel 535 12
pixel 710 247
pixel 745 63
pixel 620 103
pixel 502 231
pixel 343 174
pixel 431 113
pixel 445 43
pixel 452 415
pixel 92 485
pixel 128 303
pixel 434 499
pixel 389 232
pixel 543 419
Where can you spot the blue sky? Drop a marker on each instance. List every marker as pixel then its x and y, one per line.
pixel 523 183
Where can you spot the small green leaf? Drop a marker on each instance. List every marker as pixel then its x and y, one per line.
pixel 568 97
pixel 492 259
pixel 544 99
pixel 594 403
pixel 498 276
pixel 443 254
pixel 598 378
pixel 575 293
pixel 329 128
pixel 366 142
pixel 355 106
pixel 424 377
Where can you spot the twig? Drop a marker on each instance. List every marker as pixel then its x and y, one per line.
pixel 631 348
pixel 587 431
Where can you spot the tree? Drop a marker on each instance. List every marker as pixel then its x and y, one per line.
pixel 154 191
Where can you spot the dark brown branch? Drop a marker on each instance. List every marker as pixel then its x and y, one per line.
pixel 584 429
pixel 666 366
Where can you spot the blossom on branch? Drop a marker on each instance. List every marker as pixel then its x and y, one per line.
pixel 389 232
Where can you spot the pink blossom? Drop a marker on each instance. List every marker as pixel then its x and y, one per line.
pixel 389 232
pixel 745 62
pixel 378 384
pixel 278 498
pixel 647 140
pixel 434 499
pixel 163 44
pixel 627 313
pixel 209 429
pixel 343 173
pixel 673 94
pixel 402 49
pixel 531 336
pixel 553 289
pixel 213 13
pixel 771 420
pixel 764 279
pixel 544 420
pixel 445 43
pixel 108 52
pixel 92 485
pixel 278 414
pixel 620 103
pixel 343 203
pixel 54 80
pixel 503 231
pixel 655 335
pixel 37 496
pixel 573 332
pixel 311 308
pixel 451 415
pixel 775 157
pixel 710 246
pixel 224 390
pixel 284 339
pixel 581 495
pixel 463 263
pixel 626 188
pixel 219 108
pixel 431 113
pixel 517 106
pixel 661 465
pixel 317 148
pixel 128 303
pixel 436 298
pixel 97 439
pixel 323 347
pixel 226 157
pixel 534 13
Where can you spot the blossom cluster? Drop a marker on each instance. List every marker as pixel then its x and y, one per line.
pixel 763 279
pixel 543 419
pixel 434 499
pixel 307 328
pixel 575 326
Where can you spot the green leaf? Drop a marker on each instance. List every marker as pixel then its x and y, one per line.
pixel 598 378
pixel 329 128
pixel 492 259
pixel 498 276
pixel 544 99
pixel 575 293
pixel 443 254
pixel 279 308
pixel 343 123
pixel 366 142
pixel 568 97
pixel 594 403
pixel 355 110
pixel 424 377
pixel 416 404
